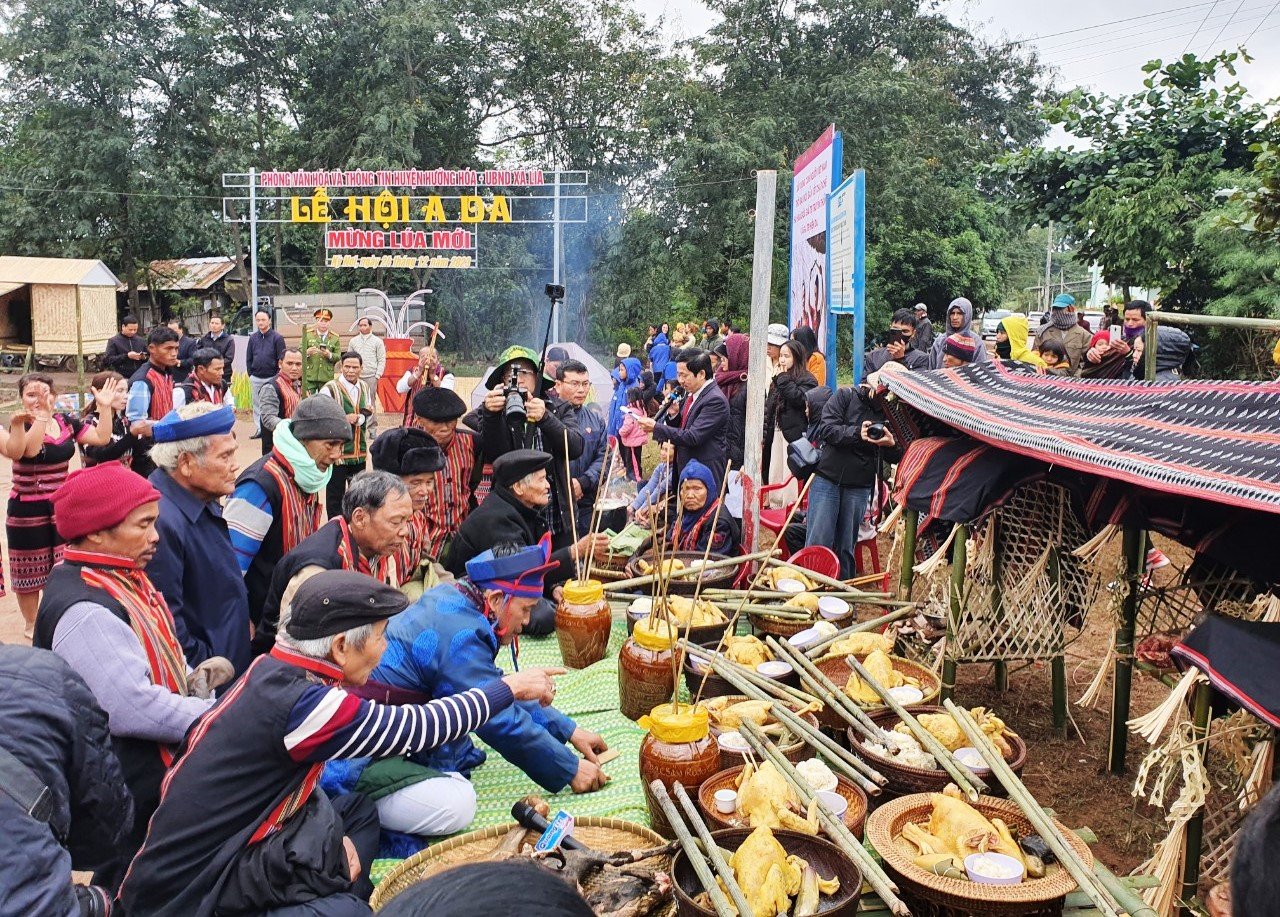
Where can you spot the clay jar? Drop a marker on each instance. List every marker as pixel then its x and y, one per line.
pixel 583 623
pixel 678 749
pixel 645 679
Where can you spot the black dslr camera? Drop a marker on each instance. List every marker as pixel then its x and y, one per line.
pixel 876 431
pixel 514 409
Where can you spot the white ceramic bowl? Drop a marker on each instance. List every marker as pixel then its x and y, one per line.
pixel 806 638
pixel 726 801
pixel 971 758
pixel 832 607
pixel 906 695
pixel 775 669
pixel 835 802
pixel 732 741
pixel 993 869
pixel 641 607
pixel 790 585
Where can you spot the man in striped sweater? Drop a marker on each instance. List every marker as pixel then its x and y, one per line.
pixel 242 826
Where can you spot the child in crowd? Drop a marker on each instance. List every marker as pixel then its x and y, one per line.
pixel 654 492
pixel 1055 359
pixel 632 436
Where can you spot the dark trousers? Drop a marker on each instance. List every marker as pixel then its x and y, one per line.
pixel 337 487
pixel 360 823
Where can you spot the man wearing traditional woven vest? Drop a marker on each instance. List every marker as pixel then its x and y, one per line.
pixel 356 401
pixel 242 829
pixel 278 398
pixel 371 529
pixel 207 381
pixel 153 393
pixel 101 613
pixel 276 503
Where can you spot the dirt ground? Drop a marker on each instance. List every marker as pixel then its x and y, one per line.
pixel 1066 774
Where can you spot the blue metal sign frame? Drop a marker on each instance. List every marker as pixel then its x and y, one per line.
pixel 856 184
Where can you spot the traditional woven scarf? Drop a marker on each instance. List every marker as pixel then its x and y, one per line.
pixel 299 512
pixel 354 450
pixel 202 392
pixel 688 541
pixel 149 617
pixel 1063 318
pixel 161 393
pixel 290 395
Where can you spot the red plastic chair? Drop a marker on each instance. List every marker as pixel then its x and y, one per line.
pixel 818 558
pixel 773 518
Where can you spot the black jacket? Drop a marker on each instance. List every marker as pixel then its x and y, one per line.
pixel 226 346
pixel 737 430
pixel 503 518
pixel 784 405
pixel 704 433
pixel 498 437
pixel 53 725
pixel 848 459
pixel 875 360
pixel 117 354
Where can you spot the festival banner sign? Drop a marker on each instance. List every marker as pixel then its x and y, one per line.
pixel 815 175
pixel 846 261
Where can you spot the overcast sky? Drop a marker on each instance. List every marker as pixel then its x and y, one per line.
pixel 1099 50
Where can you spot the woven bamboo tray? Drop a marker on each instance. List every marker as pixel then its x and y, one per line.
pixel 785 627
pixel 836 669
pixel 603 834
pixel 854 816
pixel 1031 896
pixel 905 779
pixel 824 856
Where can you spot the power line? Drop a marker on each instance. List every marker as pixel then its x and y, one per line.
pixel 1103 25
pixel 1209 47
pixel 1200 26
pixel 1096 45
pixel 1137 47
pixel 1264 19
pixel 1175 21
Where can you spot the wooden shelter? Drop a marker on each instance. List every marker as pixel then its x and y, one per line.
pixel 39 299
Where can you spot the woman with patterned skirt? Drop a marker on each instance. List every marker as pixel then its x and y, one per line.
pixel 41 443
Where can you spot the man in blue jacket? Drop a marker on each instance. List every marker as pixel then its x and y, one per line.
pixel 448 642
pixel 263 354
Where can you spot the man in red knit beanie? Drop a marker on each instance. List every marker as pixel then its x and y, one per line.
pixel 102 615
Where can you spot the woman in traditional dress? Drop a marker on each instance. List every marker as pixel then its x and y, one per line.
pixel 41 443
pixel 698 522
pixel 120 448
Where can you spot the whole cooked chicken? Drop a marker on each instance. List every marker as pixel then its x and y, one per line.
pixel 769 878
pixel 765 799
pixel 861 645
pixel 961 829
pixel 880 667
pixel 949 734
pixel 747 651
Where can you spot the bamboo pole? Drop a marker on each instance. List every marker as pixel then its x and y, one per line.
pixel 907 575
pixel 734 673
pixel 817 650
pixel 1122 680
pixel 596 512
pixel 959 549
pixel 690 847
pixel 872 873
pixel 840 703
pixel 855 594
pixel 1019 793
pixel 681 574
pixel 820 578
pixel 970 783
pixel 573 518
pixel 1195 825
pixel 714 853
pixel 853 767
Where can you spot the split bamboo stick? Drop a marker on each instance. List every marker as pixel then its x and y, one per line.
pixel 1089 884
pixel 841 836
pixel 690 848
pixel 821 578
pixel 817 650
pixel 970 783
pixel 714 853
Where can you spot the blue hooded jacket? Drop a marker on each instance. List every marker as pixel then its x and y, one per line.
pixel 620 390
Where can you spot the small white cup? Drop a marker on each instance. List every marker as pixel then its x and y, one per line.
pixel 834 801
pixel 726 801
pixel 832 607
pixel 774 669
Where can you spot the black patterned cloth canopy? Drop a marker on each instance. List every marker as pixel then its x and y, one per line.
pixel 1208 440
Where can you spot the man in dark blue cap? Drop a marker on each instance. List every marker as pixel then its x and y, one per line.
pixel 449 640
pixel 243 827
pixel 194 566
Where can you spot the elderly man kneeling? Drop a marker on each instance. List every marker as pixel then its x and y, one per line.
pixel 243 828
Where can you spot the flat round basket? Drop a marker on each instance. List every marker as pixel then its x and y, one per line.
pixel 794 751
pixel 835 668
pixel 783 627
pixel 905 779
pixel 886 822
pixel 854 816
pixel 604 834
pixel 688 585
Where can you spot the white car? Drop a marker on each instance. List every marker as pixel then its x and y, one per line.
pixel 991 322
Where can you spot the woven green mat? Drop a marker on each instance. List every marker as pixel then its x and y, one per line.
pixel 590 697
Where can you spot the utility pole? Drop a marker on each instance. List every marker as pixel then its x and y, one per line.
pixel 253 247
pixel 758 357
pixel 1048 268
pixel 560 319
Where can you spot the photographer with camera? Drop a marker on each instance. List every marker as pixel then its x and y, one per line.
pixel 700 430
pixel 850 433
pixel 517 415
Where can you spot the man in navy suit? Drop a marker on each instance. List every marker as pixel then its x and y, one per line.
pixel 700 429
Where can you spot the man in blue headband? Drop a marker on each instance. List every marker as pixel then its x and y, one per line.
pixel 194 567
pixel 448 641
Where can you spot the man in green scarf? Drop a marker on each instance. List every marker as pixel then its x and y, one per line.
pixel 276 503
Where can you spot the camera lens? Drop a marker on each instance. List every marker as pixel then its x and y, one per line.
pixel 876 431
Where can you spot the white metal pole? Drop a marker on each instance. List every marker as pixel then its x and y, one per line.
pixel 253 242
pixel 555 259
pixel 758 358
pixel 1048 268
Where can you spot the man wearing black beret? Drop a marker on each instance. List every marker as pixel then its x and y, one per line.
pixel 243 827
pixel 515 512
pixel 453 495
pixel 415 458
